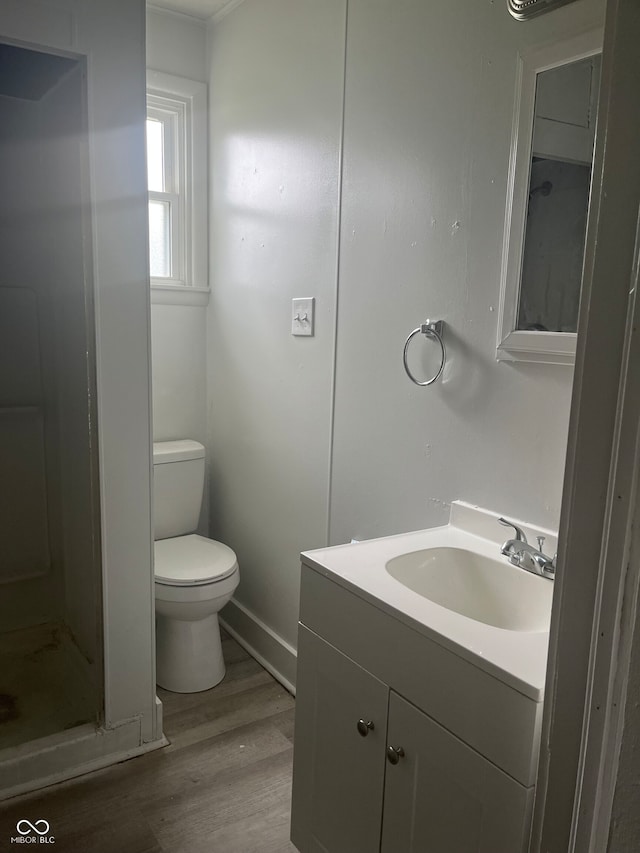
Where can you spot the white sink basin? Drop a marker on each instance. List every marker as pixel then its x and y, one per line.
pixel 451 584
pixel 475 586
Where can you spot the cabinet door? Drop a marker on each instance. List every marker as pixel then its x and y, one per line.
pixel 338 774
pixel 443 797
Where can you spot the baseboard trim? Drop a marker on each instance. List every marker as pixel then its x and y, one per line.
pixel 270 650
pixel 68 754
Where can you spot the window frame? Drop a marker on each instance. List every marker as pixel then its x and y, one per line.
pixel 181 105
pixel 174 167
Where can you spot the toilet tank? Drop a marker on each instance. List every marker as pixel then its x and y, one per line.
pixel 178 481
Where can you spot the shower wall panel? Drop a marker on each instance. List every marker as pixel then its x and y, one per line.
pixel 30 533
pixel 67 240
pixel 48 466
pixel 24 534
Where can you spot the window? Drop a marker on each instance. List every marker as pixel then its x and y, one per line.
pixel 177 183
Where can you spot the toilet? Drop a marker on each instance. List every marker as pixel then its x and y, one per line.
pixel 194 576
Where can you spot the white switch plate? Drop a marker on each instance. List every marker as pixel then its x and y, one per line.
pixel 303 316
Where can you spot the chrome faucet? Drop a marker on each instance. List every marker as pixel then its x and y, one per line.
pixel 520 553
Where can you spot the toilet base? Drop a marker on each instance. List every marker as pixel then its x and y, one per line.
pixel 188 654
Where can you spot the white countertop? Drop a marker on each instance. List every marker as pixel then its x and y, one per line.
pixel 516 658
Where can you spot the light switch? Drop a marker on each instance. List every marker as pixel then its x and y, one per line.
pixel 302 316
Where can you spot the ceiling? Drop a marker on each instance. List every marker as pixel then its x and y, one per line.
pixel 202 9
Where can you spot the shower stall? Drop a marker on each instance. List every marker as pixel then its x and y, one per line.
pixel 51 632
pixel 77 652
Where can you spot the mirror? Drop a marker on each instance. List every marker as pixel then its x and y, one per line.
pixel 550 178
pixel 558 199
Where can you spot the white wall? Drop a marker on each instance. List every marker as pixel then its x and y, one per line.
pixel 176 44
pixel 428 117
pixel 428 112
pixel 178 334
pixel 275 108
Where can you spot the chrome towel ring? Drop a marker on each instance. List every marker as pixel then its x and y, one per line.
pixel 430 329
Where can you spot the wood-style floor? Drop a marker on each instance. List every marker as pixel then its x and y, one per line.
pixel 222 786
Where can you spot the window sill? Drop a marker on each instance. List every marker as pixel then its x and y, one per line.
pixel 179 294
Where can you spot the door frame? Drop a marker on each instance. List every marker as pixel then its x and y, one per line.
pixel 596 592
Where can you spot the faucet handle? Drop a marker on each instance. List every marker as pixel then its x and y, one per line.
pixel 540 541
pixel 520 537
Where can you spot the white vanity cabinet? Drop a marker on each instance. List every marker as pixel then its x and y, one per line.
pixel 364 685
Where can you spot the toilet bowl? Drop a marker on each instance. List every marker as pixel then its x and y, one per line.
pixel 194 576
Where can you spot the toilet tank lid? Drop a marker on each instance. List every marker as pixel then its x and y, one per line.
pixel 176 451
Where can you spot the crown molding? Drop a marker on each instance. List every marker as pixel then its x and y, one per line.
pixel 174 13
pixel 222 13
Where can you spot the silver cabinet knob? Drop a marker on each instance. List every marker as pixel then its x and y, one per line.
pixel 394 754
pixel 364 727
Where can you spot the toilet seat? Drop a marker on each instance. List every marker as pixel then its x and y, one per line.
pixel 192 561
